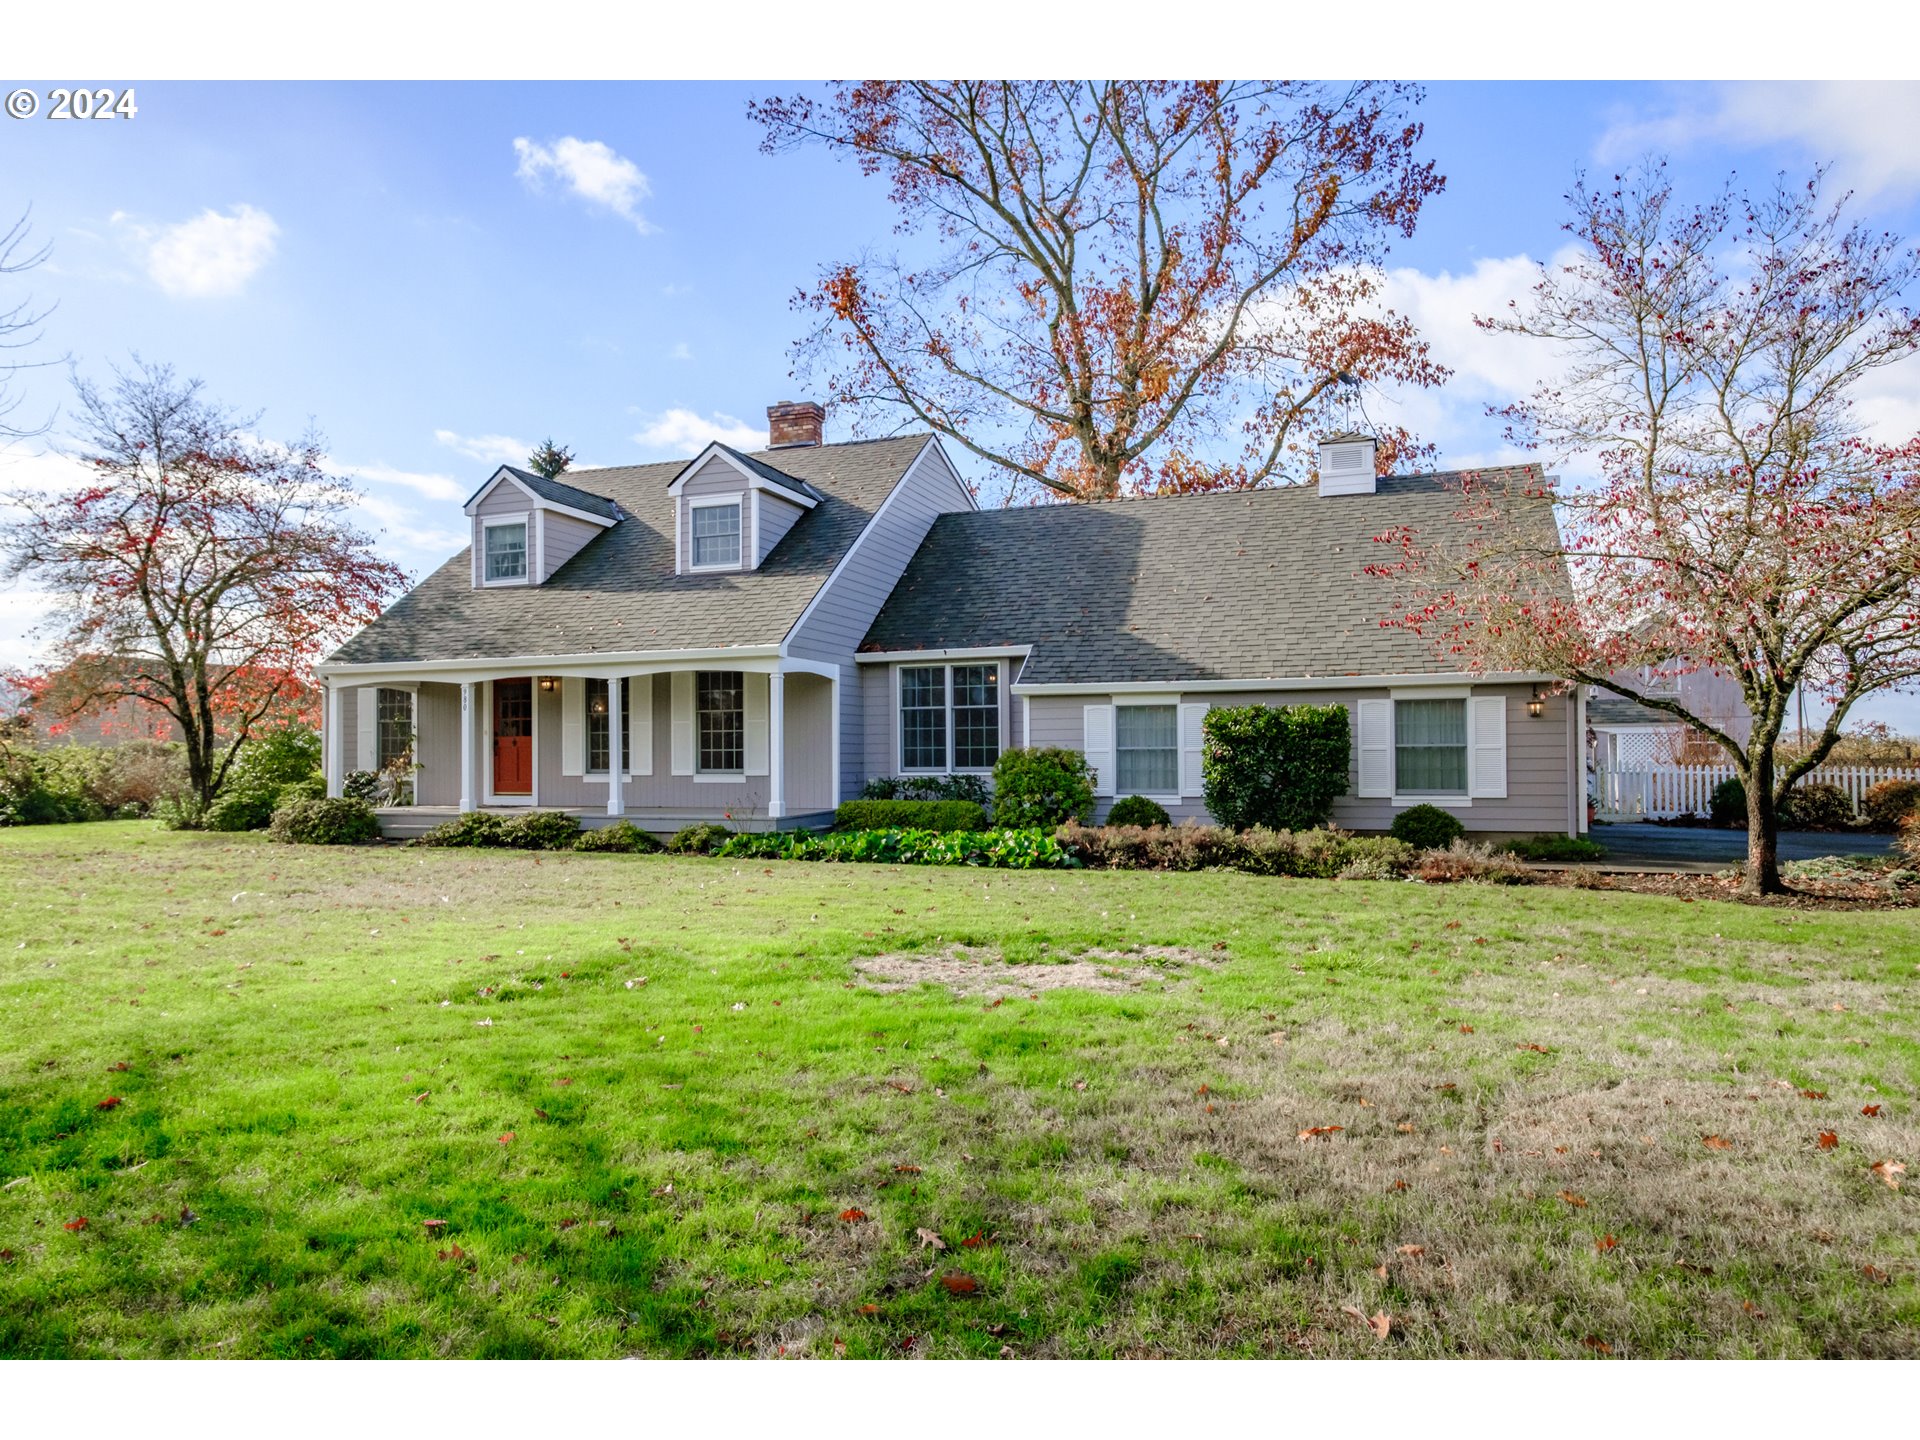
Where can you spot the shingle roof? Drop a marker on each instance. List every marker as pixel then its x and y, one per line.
pixel 1608 709
pixel 561 493
pixel 768 473
pixel 620 592
pixel 1233 585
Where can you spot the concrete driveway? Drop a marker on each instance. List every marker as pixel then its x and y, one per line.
pixel 1677 847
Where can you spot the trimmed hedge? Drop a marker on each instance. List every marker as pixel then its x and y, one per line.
pixel 1040 787
pixel 485 830
pixel 1426 827
pixel 1816 806
pixel 622 837
pixel 1886 804
pixel 701 839
pixel 339 821
pixel 1728 803
pixel 996 849
pixel 936 815
pixel 1556 847
pixel 1280 766
pixel 1298 854
pixel 928 787
pixel 1138 810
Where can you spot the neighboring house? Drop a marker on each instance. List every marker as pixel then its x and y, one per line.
pixel 1624 734
pixel 767 632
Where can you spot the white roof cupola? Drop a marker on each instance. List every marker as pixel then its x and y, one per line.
pixel 1347 462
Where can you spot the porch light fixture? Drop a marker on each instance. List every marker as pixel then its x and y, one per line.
pixel 599 706
pixel 1535 705
pixel 548 684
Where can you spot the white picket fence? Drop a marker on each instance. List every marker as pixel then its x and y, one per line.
pixel 1664 792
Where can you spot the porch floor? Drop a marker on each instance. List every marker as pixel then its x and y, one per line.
pixel 403 822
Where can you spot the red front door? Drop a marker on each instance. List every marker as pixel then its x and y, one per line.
pixel 513 737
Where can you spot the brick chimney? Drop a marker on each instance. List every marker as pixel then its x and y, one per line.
pixel 794 423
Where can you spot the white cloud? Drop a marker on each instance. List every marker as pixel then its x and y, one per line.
pixel 1864 129
pixel 425 483
pixel 681 432
pixel 591 169
pixel 487 449
pixel 209 256
pixel 680 351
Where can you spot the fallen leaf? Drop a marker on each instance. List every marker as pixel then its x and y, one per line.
pixel 1716 1142
pixel 541 1115
pixel 1875 1274
pixel 1869 1110
pixel 1405 1127
pixel 1579 1202
pixel 1752 1309
pixel 1889 1172
pixel 568 1223
pixel 118 1067
pixel 906 1169
pixel 507 1139
pixel 1536 1049
pixel 1414 1250
pixel 1813 1094
pixel 1313 1132
pixel 853 1217
pixel 974 1241
pixel 1597 1345
pixel 1606 1243
pixel 869 1309
pixel 421 1096
pixel 6 1257
pixel 928 1238
pixel 453 1253
pixel 112 1102
pixel 1466 1030
pixel 1398 1185
pixel 187 1217
pixel 958 1282
pixel 1829 1139
pixel 76 1224
pixel 434 1225
pixel 903 1089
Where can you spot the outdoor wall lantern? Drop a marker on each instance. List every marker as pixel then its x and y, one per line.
pixel 548 684
pixel 1535 705
pixel 599 706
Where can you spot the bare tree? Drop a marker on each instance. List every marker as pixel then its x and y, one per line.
pixel 20 322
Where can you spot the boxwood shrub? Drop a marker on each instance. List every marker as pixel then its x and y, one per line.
pixel 1041 787
pixel 1815 805
pixel 1728 803
pixel 1426 827
pixel 1280 766
pixel 936 815
pixel 486 830
pixel 700 839
pixel 1138 810
pixel 339 821
pixel 997 849
pixel 1298 854
pixel 622 837
pixel 928 787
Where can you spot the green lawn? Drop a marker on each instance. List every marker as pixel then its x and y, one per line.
pixel 659 1113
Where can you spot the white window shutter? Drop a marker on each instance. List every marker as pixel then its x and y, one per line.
pixel 640 725
pixel 756 701
pixel 1192 738
pixel 1097 744
pixel 681 721
pixel 573 725
pixel 1488 736
pixel 1376 750
pixel 368 750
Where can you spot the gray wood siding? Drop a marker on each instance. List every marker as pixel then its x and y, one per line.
pixel 563 537
pixel 1540 797
pixel 437 740
pixel 880 717
pixel 777 516
pixel 808 751
pixel 350 726
pixel 506 498
pixel 714 480
pixel 850 600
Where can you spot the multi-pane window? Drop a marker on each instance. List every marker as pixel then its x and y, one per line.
pixel 394 725
pixel 720 708
pixel 1146 750
pixel 923 718
pixel 716 535
pixel 976 716
pixel 599 728
pixel 507 551
pixel 949 717
pixel 1430 747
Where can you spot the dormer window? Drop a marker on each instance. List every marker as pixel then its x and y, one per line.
pixel 716 534
pixel 506 551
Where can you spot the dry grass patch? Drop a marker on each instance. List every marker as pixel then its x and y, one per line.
pixel 982 972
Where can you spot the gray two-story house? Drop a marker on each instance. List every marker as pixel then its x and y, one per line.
pixel 749 638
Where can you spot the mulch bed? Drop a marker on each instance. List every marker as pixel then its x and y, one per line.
pixel 1820 895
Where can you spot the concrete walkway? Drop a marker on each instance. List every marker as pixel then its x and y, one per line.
pixel 1689 848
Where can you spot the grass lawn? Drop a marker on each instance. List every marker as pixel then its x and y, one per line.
pixel 661 1113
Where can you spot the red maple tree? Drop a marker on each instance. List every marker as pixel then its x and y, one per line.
pixel 1743 519
pixel 1113 277
pixel 200 570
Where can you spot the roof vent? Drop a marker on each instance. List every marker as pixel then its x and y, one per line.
pixel 1347 464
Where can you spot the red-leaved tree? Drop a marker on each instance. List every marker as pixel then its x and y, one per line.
pixel 1111 278
pixel 1743 519
pixel 200 569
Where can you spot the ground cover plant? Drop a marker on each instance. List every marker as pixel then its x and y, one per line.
pixel 259 1099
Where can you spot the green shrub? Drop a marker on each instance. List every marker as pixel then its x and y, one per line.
pixel 1191 846
pixel 940 815
pixel 1556 847
pixel 1816 806
pixel 541 830
pixel 1138 810
pixel 1885 805
pixel 475 830
pixel 1277 766
pixel 1303 854
pixel 271 759
pixel 928 787
pixel 314 787
pixel 1461 861
pixel 1041 787
pixel 997 849
pixel 1907 843
pixel 1427 827
pixel 242 810
pixel 361 785
pixel 340 821
pixel 1375 857
pixel 622 837
pixel 700 839
pixel 1728 803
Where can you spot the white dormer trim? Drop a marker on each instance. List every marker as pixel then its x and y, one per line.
pixel 753 478
pixel 534 498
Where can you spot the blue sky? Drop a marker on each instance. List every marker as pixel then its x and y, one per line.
pixel 386 259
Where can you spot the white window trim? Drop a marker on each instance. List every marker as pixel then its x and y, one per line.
pixel 1446 800
pixel 900 731
pixel 718 502
pixel 1147 702
pixel 489 522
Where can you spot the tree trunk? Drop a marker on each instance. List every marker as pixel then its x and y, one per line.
pixel 1763 830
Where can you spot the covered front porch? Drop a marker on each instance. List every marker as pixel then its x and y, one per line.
pixel 751 741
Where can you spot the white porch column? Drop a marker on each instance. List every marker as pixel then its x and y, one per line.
pixel 616 730
pixel 469 717
pixel 776 745
pixel 332 753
